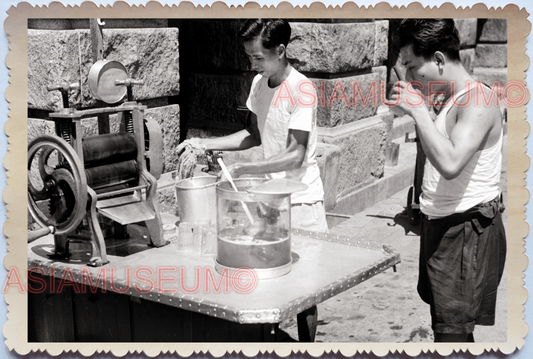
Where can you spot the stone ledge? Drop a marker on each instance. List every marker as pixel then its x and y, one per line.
pixel 395 179
pixel 331 133
pixel 362 145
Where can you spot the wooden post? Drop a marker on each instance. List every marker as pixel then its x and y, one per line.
pixel 97 40
pixel 97 45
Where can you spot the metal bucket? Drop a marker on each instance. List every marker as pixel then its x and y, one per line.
pixel 196 199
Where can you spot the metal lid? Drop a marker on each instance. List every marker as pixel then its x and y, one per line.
pixel 279 186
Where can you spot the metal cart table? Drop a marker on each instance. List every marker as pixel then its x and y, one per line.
pixel 148 294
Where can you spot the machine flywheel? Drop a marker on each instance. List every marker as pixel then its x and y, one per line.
pixel 57 185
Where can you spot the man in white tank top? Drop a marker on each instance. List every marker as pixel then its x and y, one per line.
pixel 463 243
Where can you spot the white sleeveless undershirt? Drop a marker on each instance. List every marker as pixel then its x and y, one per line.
pixel 476 184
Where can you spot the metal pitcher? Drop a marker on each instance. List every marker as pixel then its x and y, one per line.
pixel 196 199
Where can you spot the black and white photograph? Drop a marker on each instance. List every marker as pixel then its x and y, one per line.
pixel 272 179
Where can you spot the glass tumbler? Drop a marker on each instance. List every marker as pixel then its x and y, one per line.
pixel 185 237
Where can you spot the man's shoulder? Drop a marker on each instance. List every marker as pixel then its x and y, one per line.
pixel 480 100
pixel 296 76
pixel 480 113
pixel 297 81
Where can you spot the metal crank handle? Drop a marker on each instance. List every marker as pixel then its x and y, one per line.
pixel 128 82
pixel 63 86
pixel 38 233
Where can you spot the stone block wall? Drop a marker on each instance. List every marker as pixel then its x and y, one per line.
pixel 491 51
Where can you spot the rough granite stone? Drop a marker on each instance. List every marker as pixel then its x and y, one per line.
pixel 38 127
pixel 381 42
pixel 494 30
pixel 467 29
pixel 71 24
pixel 56 56
pixel 491 76
pixel 348 99
pixel 332 48
pixel 216 98
pixel 52 59
pixel 151 55
pixel 362 147
pixel 329 159
pixel 491 55
pixel 168 117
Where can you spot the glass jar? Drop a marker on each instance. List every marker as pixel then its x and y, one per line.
pixel 259 239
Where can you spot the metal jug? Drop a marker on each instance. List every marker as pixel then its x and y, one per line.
pixel 196 199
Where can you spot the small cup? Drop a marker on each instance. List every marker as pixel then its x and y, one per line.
pixel 198 231
pixel 209 242
pixel 185 237
pixel 169 233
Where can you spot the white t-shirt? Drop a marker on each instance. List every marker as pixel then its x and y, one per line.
pixel 291 105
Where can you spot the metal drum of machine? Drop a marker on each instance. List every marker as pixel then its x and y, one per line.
pixel 254 228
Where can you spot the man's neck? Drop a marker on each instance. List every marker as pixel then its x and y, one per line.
pixel 281 75
pixel 458 80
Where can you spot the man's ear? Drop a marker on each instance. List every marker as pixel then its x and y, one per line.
pixel 439 59
pixel 281 50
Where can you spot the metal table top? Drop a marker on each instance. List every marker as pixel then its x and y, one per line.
pixel 323 266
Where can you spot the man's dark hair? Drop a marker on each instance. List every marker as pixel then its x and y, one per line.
pixel 428 36
pixel 273 32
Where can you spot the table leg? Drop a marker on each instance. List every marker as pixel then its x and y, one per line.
pixel 307 323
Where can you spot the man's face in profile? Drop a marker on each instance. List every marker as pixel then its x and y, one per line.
pixel 420 69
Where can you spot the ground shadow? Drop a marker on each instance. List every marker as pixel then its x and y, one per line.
pixel 403 220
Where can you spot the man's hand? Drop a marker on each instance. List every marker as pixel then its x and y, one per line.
pixel 234 172
pixel 192 144
pixel 406 99
pixel 188 152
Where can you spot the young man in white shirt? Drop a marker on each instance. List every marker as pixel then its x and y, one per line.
pixel 282 104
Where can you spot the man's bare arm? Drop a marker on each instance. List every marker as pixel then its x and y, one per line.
pixel 241 140
pixel 471 128
pixel 290 158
